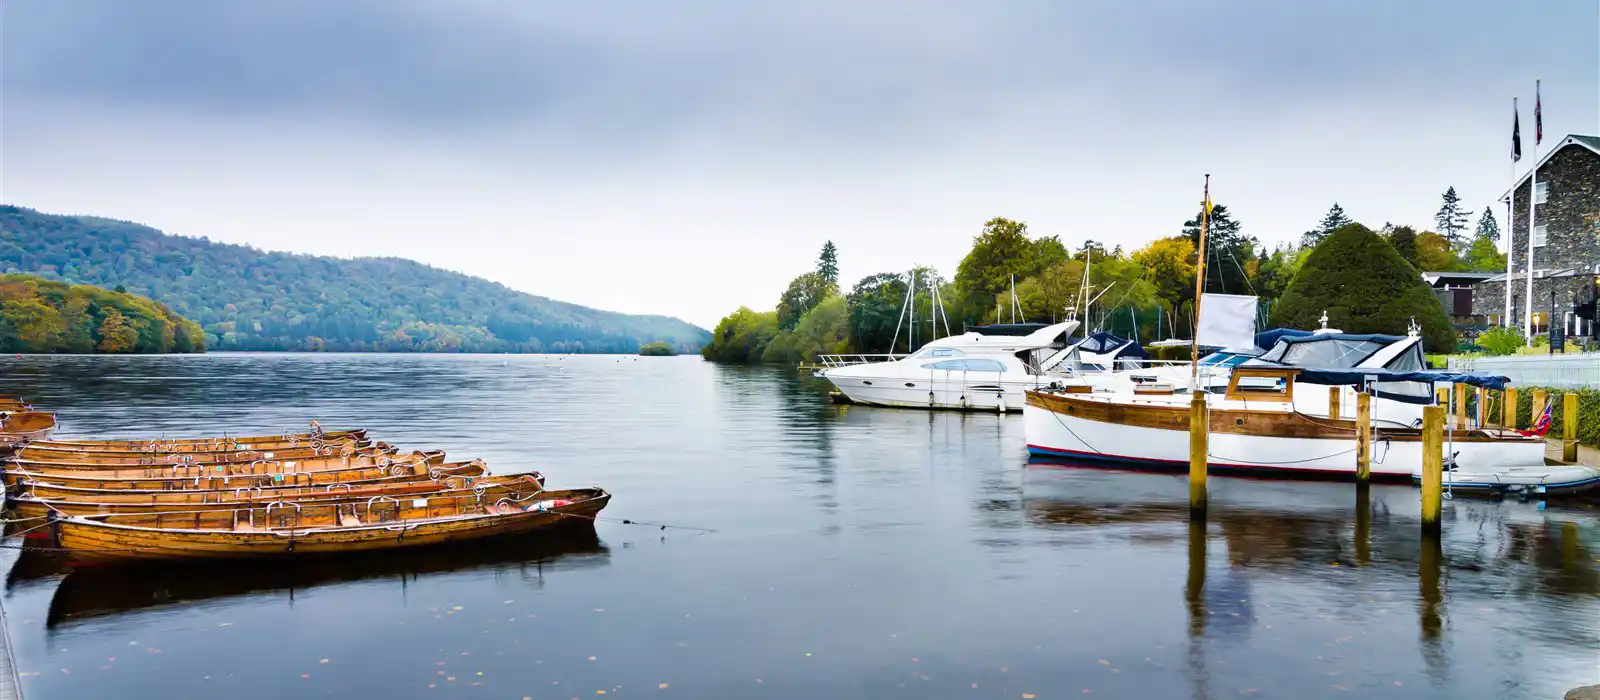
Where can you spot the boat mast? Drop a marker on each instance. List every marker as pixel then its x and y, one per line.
pixel 1013 298
pixel 911 307
pixel 1199 286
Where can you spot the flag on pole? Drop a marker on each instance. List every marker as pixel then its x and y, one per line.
pixel 1538 116
pixel 1516 133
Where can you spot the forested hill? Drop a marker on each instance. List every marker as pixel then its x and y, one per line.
pixel 44 316
pixel 248 299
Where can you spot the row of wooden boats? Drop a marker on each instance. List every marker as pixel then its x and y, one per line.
pixel 311 493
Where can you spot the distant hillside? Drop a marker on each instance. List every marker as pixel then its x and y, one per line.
pixel 43 316
pixel 247 299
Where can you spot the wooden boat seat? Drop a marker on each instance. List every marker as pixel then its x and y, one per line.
pixel 349 520
pixel 245 526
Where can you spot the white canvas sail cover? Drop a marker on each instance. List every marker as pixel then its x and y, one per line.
pixel 1227 321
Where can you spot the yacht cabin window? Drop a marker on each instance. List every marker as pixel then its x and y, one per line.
pixel 928 353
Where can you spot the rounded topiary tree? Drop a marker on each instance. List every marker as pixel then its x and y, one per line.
pixel 1365 287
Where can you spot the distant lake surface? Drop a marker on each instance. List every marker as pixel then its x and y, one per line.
pixel 855 553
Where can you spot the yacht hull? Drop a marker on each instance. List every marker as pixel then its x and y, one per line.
pixel 939 393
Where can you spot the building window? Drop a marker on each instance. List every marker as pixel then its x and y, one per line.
pixel 1540 234
pixel 1541 192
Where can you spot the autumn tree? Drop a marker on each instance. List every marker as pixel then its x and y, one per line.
pixel 803 294
pixel 115 333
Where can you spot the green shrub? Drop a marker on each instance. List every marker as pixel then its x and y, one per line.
pixel 1365 287
pixel 1502 341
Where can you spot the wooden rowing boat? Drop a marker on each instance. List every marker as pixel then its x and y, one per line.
pixel 224 443
pixel 284 530
pixel 491 488
pixel 334 475
pixel 26 425
pixel 13 405
pixel 450 474
pixel 30 454
pixel 18 470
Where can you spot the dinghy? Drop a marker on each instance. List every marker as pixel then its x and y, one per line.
pixel 456 473
pixel 1530 481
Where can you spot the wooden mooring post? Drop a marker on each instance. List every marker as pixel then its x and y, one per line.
pixel 1508 409
pixel 1461 405
pixel 1335 399
pixel 1199 432
pixel 1540 396
pixel 1569 427
pixel 1432 468
pixel 1363 439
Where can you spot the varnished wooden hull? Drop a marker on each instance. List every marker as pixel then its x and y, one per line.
pixel 333 475
pixel 17 471
pixel 33 452
pixel 90 539
pixel 255 442
pixel 490 488
pixel 445 473
pixel 27 426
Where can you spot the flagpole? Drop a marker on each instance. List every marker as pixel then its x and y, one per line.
pixel 1511 231
pixel 1533 190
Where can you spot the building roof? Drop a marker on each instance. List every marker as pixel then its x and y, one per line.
pixel 1590 142
pixel 1432 277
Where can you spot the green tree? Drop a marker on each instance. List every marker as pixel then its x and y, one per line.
pixel 78 336
pixel 828 263
pixel 1484 255
pixel 1365 287
pixel 657 349
pixel 1000 253
pixel 824 330
pixel 742 336
pixel 37 325
pixel 1059 285
pixel 876 305
pixel 1404 240
pixel 1227 250
pixel 1451 218
pixel 1169 265
pixel 1332 221
pixel 1435 253
pixel 803 294
pixel 1488 227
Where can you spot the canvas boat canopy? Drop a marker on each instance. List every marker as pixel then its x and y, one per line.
pixel 1396 385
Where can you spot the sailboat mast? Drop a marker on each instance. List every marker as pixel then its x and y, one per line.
pixel 1199 285
pixel 911 305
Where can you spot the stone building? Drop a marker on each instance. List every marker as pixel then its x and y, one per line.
pixel 1566 245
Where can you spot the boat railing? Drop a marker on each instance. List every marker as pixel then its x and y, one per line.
pixel 847 360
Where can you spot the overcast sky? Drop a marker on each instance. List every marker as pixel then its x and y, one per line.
pixel 688 157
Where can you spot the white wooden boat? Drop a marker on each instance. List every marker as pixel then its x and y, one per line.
pixel 1255 428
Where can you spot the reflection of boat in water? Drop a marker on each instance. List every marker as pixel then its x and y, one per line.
pixel 97 592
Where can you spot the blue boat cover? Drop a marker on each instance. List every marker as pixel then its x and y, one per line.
pixel 1266 339
pixel 1103 342
pixel 1357 377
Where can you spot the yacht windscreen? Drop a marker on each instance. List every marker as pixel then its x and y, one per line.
pixel 1333 353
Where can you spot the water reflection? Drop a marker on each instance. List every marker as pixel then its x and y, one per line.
pixel 96 592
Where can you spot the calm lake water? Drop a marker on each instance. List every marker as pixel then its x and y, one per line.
pixel 856 552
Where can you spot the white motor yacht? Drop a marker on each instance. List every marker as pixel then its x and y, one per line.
pixel 985 368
